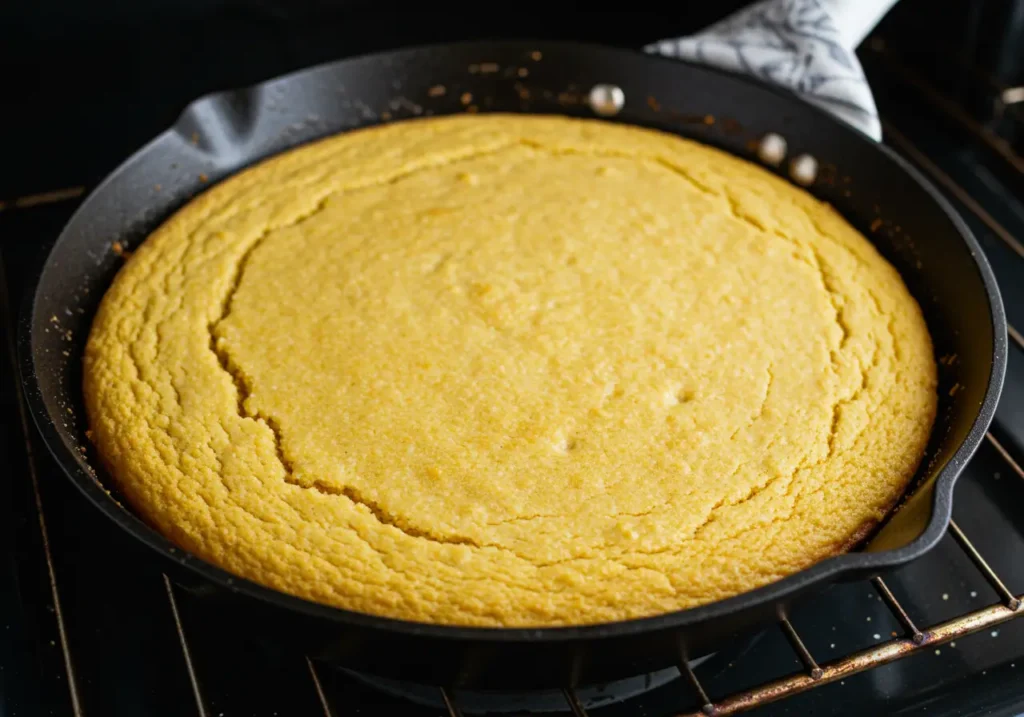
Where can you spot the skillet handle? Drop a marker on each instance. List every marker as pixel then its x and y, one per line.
pixel 805 46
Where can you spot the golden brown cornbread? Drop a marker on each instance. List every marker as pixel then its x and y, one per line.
pixel 509 370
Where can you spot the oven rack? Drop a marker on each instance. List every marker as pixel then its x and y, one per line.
pixel 813 674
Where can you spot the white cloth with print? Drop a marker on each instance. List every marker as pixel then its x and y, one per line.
pixel 806 46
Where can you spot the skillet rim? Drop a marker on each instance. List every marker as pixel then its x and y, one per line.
pixel 828 570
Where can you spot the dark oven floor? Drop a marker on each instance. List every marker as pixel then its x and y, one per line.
pixel 89 628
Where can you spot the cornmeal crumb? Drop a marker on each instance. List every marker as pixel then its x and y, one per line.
pixel 615 374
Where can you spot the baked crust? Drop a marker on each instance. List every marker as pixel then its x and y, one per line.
pixel 509 370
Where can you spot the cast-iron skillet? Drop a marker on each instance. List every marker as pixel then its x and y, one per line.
pixel 884 197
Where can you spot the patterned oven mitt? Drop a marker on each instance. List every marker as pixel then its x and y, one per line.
pixel 806 46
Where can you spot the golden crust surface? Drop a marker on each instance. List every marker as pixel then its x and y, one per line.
pixel 509 371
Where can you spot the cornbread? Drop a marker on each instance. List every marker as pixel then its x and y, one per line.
pixel 509 370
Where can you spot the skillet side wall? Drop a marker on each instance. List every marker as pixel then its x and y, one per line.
pixel 220 134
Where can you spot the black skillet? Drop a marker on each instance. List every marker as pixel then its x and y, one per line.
pixel 907 219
